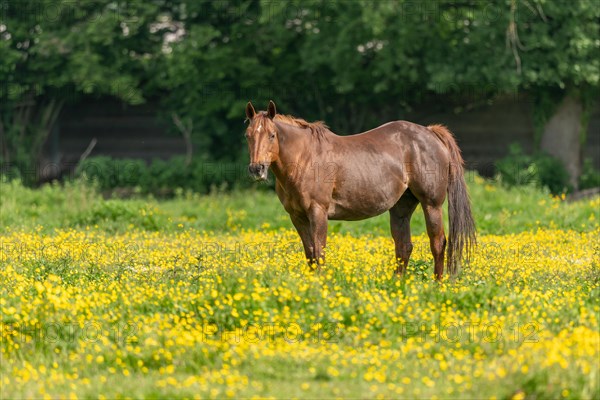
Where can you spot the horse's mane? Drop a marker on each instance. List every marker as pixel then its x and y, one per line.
pixel 317 128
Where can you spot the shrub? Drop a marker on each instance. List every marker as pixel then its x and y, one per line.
pixel 162 176
pixel 539 169
pixel 111 173
pixel 590 176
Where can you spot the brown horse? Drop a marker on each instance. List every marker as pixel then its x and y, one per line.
pixel 322 176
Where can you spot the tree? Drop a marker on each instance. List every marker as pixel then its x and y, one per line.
pixel 206 71
pixel 548 49
pixel 54 52
pixel 350 63
pixel 316 59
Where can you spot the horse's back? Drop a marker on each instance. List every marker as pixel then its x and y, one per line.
pixel 406 140
pixel 391 158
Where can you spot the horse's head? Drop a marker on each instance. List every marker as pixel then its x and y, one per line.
pixel 263 144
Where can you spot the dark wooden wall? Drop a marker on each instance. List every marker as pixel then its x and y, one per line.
pixel 121 131
pixel 483 134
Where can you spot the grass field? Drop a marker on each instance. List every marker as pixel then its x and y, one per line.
pixel 210 297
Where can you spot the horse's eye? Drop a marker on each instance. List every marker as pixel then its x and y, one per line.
pixel 271 136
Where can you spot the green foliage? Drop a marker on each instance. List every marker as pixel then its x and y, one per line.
pixel 539 169
pixel 590 176
pixel 163 177
pixel 357 64
pixel 62 49
pixel 22 206
pixel 552 173
pixel 113 212
pixel 352 64
pixel 497 209
pixel 111 173
pixel 54 52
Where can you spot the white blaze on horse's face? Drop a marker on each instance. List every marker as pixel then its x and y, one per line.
pixel 262 143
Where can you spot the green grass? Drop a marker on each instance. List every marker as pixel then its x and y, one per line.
pixel 121 263
pixel 497 210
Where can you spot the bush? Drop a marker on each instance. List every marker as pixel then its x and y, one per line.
pixel 539 169
pixel 111 173
pixel 590 176
pixel 161 176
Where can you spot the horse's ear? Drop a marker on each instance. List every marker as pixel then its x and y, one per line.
pixel 272 110
pixel 250 113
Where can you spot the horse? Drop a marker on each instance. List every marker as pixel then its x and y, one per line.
pixel 322 176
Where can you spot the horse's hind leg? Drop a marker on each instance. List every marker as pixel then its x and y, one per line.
pixel 400 226
pixel 437 238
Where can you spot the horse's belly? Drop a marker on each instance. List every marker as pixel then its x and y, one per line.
pixel 339 213
pixel 363 205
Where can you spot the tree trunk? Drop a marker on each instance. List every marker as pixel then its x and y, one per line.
pixel 561 137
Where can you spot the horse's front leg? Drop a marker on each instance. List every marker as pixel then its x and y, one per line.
pixel 302 225
pixel 312 229
pixel 317 216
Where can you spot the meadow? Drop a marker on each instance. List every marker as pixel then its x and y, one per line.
pixel 209 296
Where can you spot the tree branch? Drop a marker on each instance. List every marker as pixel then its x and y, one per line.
pixel 186 132
pixel 87 151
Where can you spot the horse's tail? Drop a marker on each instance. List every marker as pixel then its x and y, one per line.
pixel 461 238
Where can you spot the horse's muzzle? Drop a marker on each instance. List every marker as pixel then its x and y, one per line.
pixel 258 171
